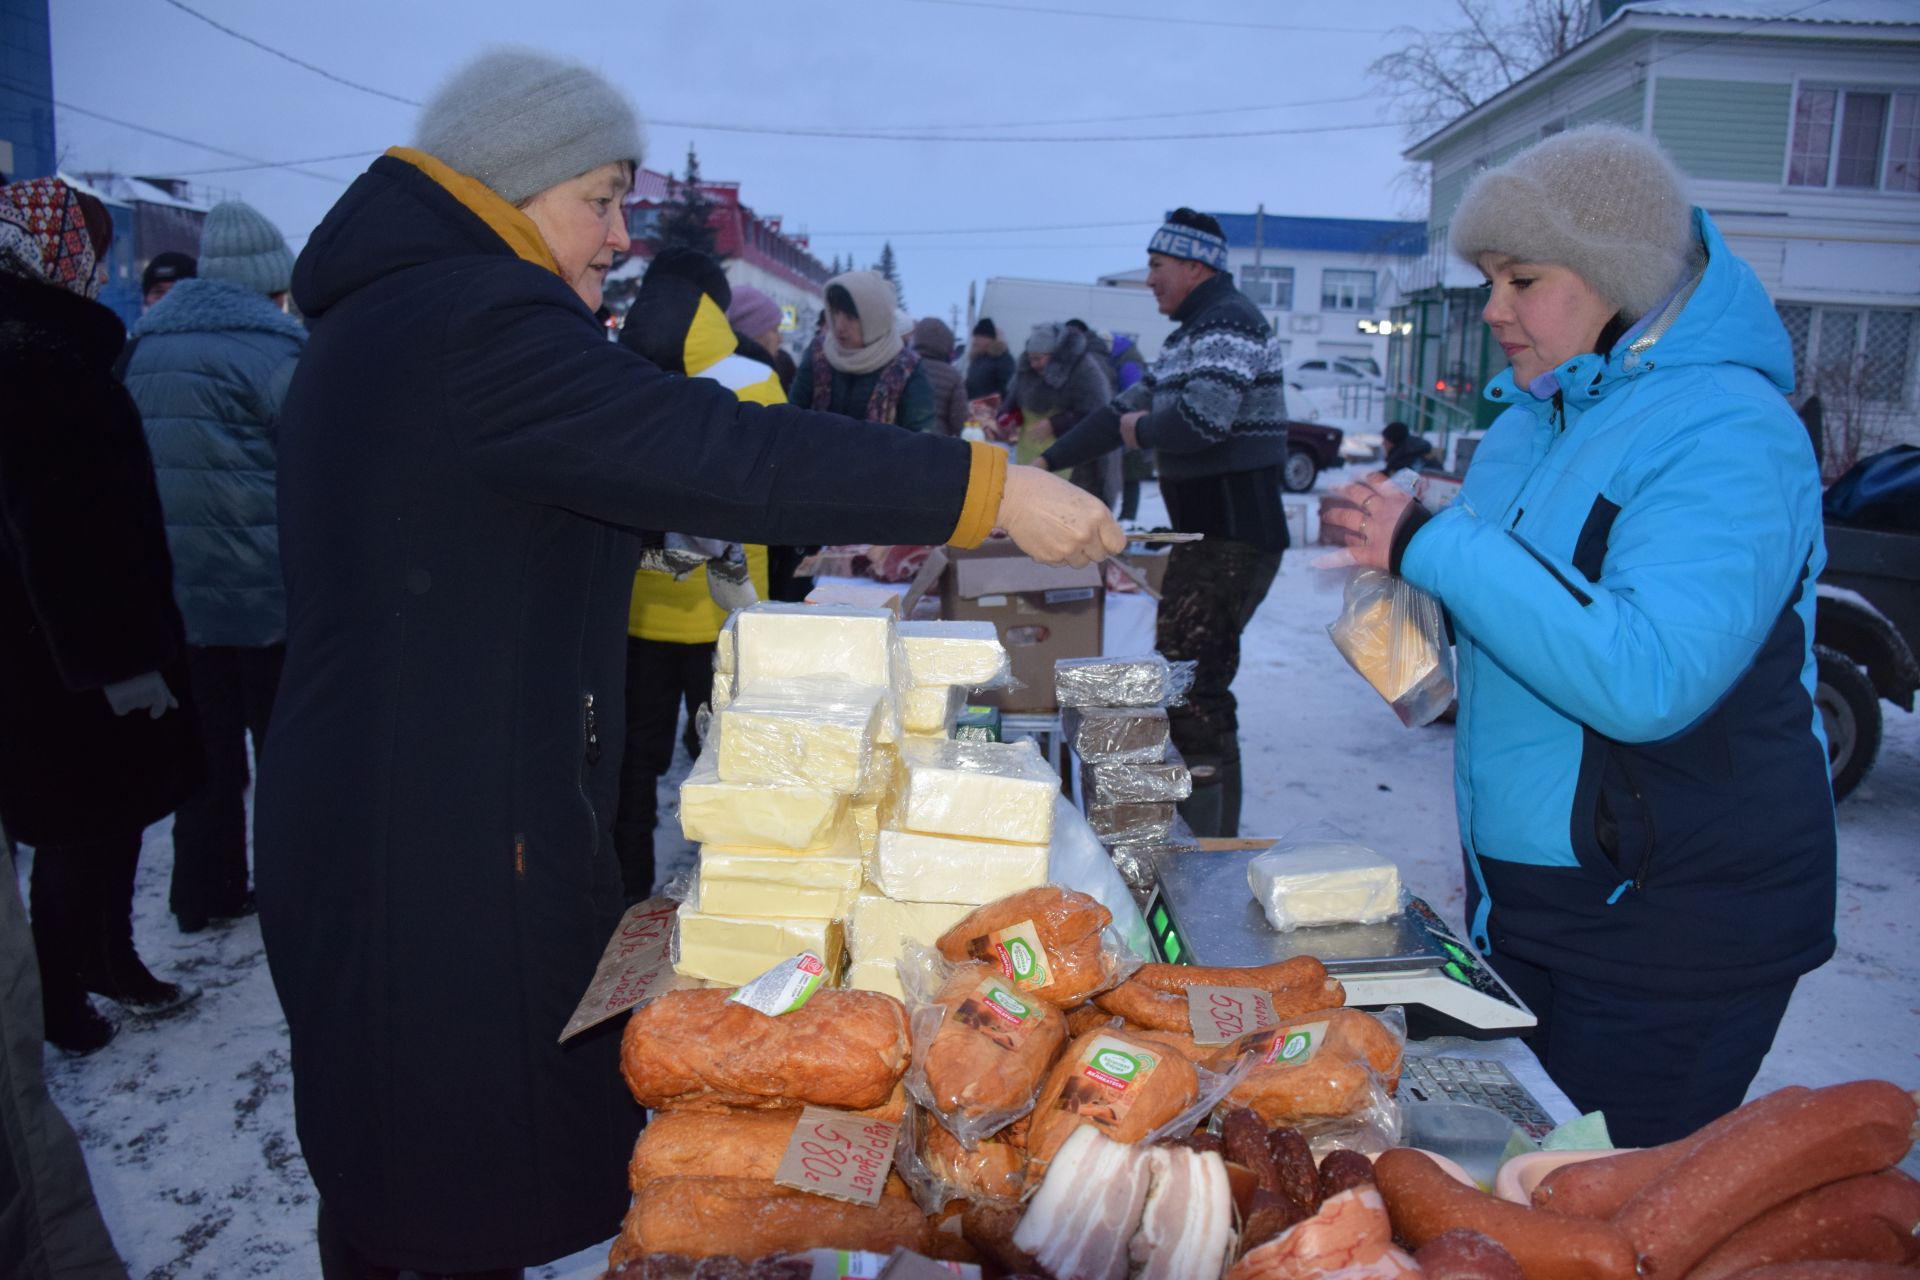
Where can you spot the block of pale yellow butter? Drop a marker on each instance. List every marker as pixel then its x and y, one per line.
pixel 752 882
pixel 779 642
pixel 876 975
pixel 986 790
pixel 865 819
pixel 1324 882
pixel 878 926
pixel 723 649
pixel 914 867
pixel 757 815
pixel 928 711
pixel 968 654
pixel 814 731
pixel 738 949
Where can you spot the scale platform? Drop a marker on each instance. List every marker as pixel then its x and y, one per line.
pixel 1202 912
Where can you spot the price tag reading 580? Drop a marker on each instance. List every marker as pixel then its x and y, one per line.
pixel 839 1154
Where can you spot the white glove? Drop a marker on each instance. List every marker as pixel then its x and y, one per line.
pixel 1056 521
pixel 147 691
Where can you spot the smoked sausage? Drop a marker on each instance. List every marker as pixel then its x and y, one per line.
pixel 1871 1218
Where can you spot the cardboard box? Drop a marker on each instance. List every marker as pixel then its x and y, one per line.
pixel 1042 613
pixel 1152 564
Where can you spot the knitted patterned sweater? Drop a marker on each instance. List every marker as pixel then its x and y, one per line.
pixel 1215 398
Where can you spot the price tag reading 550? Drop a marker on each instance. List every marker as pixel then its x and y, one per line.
pixel 1220 1014
pixel 839 1154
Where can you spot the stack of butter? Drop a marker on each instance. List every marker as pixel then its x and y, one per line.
pixel 1131 776
pixel 784 801
pixel 971 822
pixel 813 706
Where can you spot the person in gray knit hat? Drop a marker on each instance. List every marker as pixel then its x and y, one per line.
pixel 466 464
pixel 238 244
pixel 1629 576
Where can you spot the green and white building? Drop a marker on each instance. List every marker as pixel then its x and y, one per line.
pixel 1798 125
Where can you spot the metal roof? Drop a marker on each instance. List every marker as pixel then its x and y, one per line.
pixel 1326 235
pixel 1903 13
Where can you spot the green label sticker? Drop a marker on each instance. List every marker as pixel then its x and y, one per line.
pixel 1296 1044
pixel 1006 1000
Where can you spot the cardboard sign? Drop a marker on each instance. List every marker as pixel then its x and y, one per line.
pixel 839 1154
pixel 1220 1014
pixel 636 966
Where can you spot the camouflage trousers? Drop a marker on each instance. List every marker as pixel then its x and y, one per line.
pixel 1211 592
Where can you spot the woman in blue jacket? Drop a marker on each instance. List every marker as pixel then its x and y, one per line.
pixel 1629 572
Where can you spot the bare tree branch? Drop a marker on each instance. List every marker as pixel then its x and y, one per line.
pixel 1437 76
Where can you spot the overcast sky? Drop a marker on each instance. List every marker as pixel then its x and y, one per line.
pixel 1004 70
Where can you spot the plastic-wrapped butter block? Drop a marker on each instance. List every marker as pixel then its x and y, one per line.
pixel 928 711
pixel 913 867
pixel 878 927
pixel 814 731
pixel 986 790
pixel 968 654
pixel 738 949
pixel 818 886
pixel 757 815
pixel 723 663
pixel 876 975
pixel 1325 882
pixel 722 696
pixel 778 642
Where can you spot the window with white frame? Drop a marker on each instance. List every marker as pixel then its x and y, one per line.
pixel 1856 139
pixel 1346 290
pixel 1868 350
pixel 1271 288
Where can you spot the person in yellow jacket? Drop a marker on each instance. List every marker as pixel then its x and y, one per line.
pixel 679 321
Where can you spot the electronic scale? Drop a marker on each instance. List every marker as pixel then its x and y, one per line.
pixel 1202 912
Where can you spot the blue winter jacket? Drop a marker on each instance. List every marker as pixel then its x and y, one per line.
pixel 209 370
pixel 1629 569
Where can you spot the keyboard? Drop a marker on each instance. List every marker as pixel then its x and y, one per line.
pixel 1475 1080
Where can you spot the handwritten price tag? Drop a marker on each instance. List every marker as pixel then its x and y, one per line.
pixel 838 1154
pixel 1220 1014
pixel 635 966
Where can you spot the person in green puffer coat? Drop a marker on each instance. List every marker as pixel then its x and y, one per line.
pixel 209 367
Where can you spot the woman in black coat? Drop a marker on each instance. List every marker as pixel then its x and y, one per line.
pixel 463 461
pixel 91 644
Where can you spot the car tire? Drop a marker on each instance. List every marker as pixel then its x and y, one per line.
pixel 1850 712
pixel 1301 471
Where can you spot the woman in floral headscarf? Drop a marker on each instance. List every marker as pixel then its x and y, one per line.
pixel 90 640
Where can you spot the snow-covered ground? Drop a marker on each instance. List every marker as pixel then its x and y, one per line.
pixel 188 1123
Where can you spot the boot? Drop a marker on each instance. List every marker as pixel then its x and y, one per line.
pixel 112 967
pixel 62 916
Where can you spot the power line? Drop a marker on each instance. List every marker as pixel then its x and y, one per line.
pixel 1182 21
pixel 276 164
pixel 863 135
pixel 285 56
pixel 971 231
pixel 1128 119
pixel 174 137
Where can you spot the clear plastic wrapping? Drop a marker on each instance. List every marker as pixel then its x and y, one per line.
pixel 1132 822
pixel 1146 681
pixel 914 867
pixel 1330 1074
pixel 879 927
pixel 1111 784
pixel 751 882
pixel 982 1045
pixel 1078 858
pixel 1318 874
pixel 983 790
pixel 791 816
pixel 1393 634
pixel 775 644
pixel 929 711
pixel 939 1170
pixel 737 949
pixel 967 654
pixel 1117 735
pixel 807 730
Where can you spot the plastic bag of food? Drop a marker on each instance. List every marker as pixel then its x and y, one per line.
pixel 939 1170
pixel 1146 681
pixel 1330 1074
pixel 1394 635
pixel 814 731
pixel 1318 874
pixel 1051 942
pixel 982 1046
pixel 981 790
pixel 1117 735
pixel 1078 858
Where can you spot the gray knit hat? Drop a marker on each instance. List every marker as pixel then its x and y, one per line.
pixel 1603 200
pixel 522 121
pixel 239 245
pixel 1044 340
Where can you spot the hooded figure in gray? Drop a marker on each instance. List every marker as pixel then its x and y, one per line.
pixel 1061 380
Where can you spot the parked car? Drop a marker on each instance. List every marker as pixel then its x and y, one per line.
pixel 1311 449
pixel 1866 631
pixel 1332 371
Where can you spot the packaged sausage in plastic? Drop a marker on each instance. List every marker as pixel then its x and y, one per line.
pixel 1393 634
pixel 1318 874
pixel 939 1170
pixel 1145 681
pixel 982 1045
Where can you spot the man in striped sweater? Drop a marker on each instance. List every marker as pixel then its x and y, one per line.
pixel 1214 407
